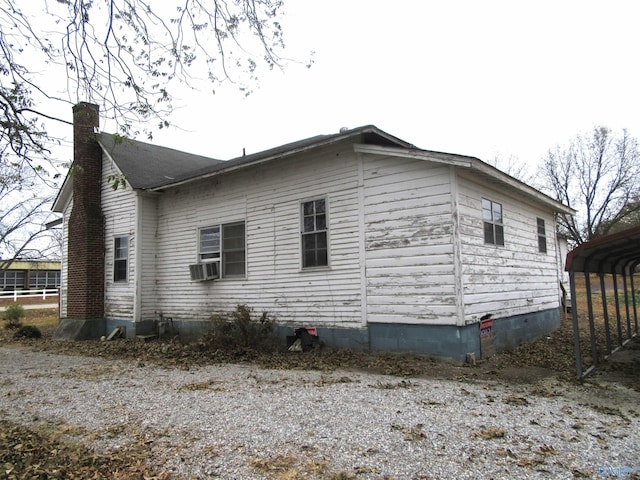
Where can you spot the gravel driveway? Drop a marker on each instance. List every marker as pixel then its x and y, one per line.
pixel 242 422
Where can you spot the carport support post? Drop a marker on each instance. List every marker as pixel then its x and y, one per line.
pixel 633 294
pixel 592 327
pixel 626 301
pixel 616 297
pixel 576 328
pixel 605 311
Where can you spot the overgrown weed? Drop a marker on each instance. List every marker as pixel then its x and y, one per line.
pixel 240 332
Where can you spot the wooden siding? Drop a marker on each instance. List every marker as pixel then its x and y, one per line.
pixel 409 242
pixel 268 199
pixel 120 220
pixel 64 270
pixel 393 255
pixel 147 227
pixel 512 279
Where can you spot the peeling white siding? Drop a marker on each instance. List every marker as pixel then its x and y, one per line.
pixel 147 226
pixel 118 207
pixel 64 273
pixel 268 200
pixel 394 255
pixel 409 242
pixel 511 279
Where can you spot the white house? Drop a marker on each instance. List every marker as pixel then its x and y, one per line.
pixel 377 243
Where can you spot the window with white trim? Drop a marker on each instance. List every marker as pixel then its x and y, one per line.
pixel 225 243
pixel 492 220
pixel 542 236
pixel 121 259
pixel 209 244
pixel 314 234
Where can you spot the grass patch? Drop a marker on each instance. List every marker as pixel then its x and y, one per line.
pixel 45 320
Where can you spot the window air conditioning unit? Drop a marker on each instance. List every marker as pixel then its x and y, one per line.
pixel 201 272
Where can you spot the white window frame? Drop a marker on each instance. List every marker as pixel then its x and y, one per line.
pixel 220 253
pixel 315 231
pixel 212 253
pixel 497 225
pixel 117 258
pixel 542 235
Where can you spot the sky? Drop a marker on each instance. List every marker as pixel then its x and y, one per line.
pixel 486 79
pixel 490 79
pixel 493 79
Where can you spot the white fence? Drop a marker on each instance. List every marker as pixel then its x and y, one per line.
pixel 43 293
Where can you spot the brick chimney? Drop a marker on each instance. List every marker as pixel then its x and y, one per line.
pixel 85 284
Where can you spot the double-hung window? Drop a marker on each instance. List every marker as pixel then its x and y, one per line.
pixel 314 234
pixel 225 243
pixel 209 244
pixel 492 220
pixel 542 236
pixel 121 259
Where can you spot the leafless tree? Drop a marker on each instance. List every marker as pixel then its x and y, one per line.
pixel 512 166
pixel 126 56
pixel 24 210
pixel 597 174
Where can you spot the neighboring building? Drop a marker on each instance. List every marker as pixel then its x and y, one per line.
pixel 375 242
pixel 30 275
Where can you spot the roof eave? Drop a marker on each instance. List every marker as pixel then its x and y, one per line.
pixel 470 163
pixel 486 169
pixel 64 195
pixel 415 153
pixel 105 152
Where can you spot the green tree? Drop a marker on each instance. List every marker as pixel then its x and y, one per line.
pixel 125 55
pixel 597 174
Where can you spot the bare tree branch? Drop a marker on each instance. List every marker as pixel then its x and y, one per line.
pixel 24 202
pixel 125 55
pixel 597 174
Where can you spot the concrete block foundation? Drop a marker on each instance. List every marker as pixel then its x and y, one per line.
pixel 447 342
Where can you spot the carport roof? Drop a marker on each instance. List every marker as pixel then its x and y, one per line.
pixel 610 254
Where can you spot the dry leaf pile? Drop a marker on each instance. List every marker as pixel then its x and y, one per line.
pixel 43 452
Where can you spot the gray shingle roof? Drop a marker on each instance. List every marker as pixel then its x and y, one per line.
pixel 149 166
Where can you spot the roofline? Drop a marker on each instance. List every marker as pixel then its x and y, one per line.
pixel 64 195
pixel 53 223
pixel 406 151
pixel 66 190
pixel 487 169
pixel 466 162
pixel 324 141
pixel 415 153
pixel 105 151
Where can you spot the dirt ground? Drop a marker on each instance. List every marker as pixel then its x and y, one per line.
pixel 551 356
pixel 543 368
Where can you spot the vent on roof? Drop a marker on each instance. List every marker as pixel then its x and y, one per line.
pixel 344 129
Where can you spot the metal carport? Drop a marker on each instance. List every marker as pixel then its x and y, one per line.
pixel 614 259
